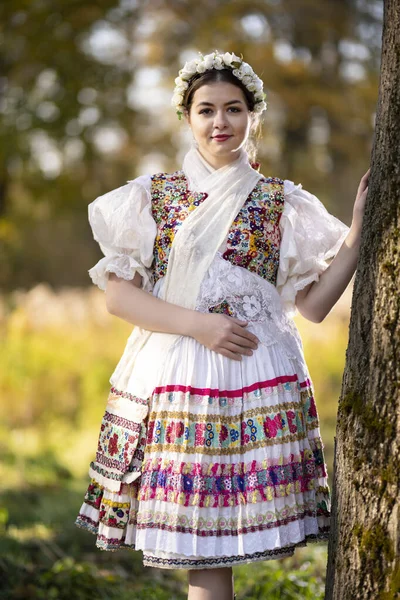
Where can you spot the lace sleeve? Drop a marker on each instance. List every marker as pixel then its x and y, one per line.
pixel 311 237
pixel 123 225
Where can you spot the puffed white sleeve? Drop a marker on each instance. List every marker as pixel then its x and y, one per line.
pixel 122 223
pixel 310 239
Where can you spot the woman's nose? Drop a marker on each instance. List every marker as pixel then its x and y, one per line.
pixel 220 119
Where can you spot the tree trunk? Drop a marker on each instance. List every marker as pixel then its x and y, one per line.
pixel 363 550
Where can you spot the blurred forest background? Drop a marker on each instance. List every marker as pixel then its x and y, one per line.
pixel 85 91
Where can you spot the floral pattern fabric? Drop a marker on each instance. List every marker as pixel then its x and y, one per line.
pixel 253 239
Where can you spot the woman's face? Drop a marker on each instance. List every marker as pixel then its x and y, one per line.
pixel 219 109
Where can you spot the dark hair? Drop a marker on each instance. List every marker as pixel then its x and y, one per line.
pixel 226 76
pixel 213 76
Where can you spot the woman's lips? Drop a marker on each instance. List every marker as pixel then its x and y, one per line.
pixel 221 138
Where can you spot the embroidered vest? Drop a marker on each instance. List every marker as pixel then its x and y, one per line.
pixel 253 239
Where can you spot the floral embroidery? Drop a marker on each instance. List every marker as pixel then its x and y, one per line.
pixel 121 442
pixel 117 441
pixel 254 237
pixel 219 434
pixel 174 432
pixel 171 204
pixel 222 308
pixel 113 444
pixel 118 512
pixel 228 484
pixel 94 494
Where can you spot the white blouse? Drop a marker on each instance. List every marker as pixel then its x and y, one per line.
pixel 123 225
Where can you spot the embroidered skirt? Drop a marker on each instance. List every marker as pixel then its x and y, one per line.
pixel 222 465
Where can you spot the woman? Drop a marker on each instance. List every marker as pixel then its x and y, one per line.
pixel 210 452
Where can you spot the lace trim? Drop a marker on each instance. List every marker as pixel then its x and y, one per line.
pixel 250 298
pixel 124 266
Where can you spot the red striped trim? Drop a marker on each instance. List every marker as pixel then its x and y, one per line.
pixel 306 383
pixel 229 393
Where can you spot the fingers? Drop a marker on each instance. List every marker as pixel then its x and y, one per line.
pixel 238 321
pixel 244 333
pixel 245 341
pixel 363 185
pixel 229 354
pixel 238 349
pixel 364 179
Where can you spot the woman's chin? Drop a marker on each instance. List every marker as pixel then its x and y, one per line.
pixel 223 149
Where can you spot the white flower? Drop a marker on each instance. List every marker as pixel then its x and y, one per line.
pixel 177 99
pixel 186 75
pixel 218 64
pixel 237 73
pixel 188 70
pixel 227 58
pixel 259 107
pixel 192 64
pixel 181 86
pixel 179 90
pixel 208 61
pixel 215 60
pixel 246 69
pixel 247 80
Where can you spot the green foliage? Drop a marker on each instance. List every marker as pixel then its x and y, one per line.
pixel 317 130
pixel 67 579
pixel 281 580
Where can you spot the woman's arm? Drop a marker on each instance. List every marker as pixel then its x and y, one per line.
pixel 220 333
pixel 317 299
pixel 126 300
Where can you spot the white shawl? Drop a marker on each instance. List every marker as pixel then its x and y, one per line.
pixel 192 252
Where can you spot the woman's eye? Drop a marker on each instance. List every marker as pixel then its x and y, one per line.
pixel 207 110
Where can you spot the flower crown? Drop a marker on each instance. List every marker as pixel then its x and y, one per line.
pixel 217 60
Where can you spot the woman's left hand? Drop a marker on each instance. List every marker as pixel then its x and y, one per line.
pixel 353 239
pixel 359 204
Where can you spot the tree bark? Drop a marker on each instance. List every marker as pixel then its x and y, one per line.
pixel 363 550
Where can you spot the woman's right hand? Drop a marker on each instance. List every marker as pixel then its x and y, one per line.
pixel 224 334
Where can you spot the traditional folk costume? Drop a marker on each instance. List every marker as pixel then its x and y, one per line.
pixel 204 461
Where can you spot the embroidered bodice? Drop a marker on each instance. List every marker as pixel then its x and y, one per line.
pixel 283 233
pixel 253 240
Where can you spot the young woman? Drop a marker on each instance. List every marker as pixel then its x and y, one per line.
pixel 209 452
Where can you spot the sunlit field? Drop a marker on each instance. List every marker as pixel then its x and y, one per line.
pixel 57 352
